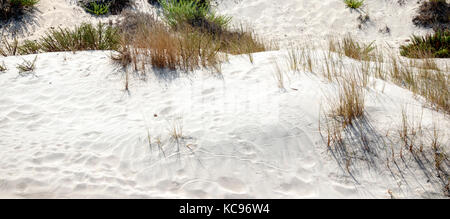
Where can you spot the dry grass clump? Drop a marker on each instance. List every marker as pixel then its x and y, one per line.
pixel 3 67
pixel 27 66
pixel 186 47
pixel 242 40
pixel 163 47
pixel 433 13
pixel 349 47
pixel 350 102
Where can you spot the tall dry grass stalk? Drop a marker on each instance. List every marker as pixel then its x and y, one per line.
pixel 350 101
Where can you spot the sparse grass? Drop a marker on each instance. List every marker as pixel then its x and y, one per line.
pixel 123 57
pixel 300 58
pixel 349 47
pixel 176 130
pixel 432 83
pixel 279 76
pixel 334 131
pixel 294 58
pixel 242 40
pixel 3 67
pixel 160 144
pixel 15 8
pixel 350 103
pixel 421 76
pixel 413 138
pixel 8 48
pixel 435 45
pixel 27 66
pixel 354 4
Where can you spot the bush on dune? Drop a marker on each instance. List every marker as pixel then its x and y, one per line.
pixel 195 13
pixel 435 45
pixel 15 8
pixel 103 7
pixel 433 13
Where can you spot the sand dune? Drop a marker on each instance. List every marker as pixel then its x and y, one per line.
pixel 70 130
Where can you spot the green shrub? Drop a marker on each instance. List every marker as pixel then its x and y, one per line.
pixel 193 12
pixel 103 7
pixel 435 45
pixel 15 8
pixel 98 8
pixel 354 3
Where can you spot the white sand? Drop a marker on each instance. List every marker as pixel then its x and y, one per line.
pixel 71 131
pixel 288 21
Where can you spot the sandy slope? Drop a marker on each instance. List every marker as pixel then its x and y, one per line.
pixel 70 130
pixel 292 20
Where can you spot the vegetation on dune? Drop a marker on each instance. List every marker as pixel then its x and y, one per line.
pixel 103 7
pixel 433 13
pixel 435 45
pixel 15 8
pixel 352 48
pixel 195 13
pixel 83 37
pixel 191 37
pixel 354 4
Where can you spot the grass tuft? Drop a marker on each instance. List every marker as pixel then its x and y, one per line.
pixel 354 4
pixel 27 66
pixel 3 67
pixel 349 47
